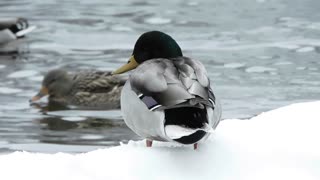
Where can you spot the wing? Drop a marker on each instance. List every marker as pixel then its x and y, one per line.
pixel 110 100
pixel 171 82
pixel 148 78
pixel 193 75
pixel 98 81
pixel 198 69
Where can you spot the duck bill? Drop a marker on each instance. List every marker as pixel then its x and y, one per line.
pixel 43 92
pixel 132 63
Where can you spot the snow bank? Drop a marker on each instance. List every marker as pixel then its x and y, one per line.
pixel 280 144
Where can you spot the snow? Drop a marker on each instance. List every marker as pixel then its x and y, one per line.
pixel 279 144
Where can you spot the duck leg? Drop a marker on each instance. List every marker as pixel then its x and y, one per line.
pixel 195 146
pixel 149 143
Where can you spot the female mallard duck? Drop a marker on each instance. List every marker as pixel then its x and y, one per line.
pixel 93 89
pixel 168 97
pixel 13 28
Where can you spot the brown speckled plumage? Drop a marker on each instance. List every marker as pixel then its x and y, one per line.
pixel 92 89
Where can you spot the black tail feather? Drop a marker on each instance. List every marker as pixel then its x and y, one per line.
pixel 190 117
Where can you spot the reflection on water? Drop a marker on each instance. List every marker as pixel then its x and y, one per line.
pixel 80 132
pixel 260 55
pixel 44 107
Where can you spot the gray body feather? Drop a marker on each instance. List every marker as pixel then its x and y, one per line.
pixel 172 83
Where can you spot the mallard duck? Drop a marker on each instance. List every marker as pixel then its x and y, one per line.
pixel 90 89
pixel 168 96
pixel 13 28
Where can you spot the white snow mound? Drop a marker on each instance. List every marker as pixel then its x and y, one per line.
pixel 280 144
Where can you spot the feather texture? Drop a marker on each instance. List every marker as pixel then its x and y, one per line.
pixel 172 81
pixel 87 89
pixel 167 90
pixel 96 89
pixel 97 81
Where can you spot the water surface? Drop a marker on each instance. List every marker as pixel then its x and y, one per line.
pixel 260 55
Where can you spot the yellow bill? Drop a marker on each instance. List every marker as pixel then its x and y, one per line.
pixel 43 92
pixel 127 67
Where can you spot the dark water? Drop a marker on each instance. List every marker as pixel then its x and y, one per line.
pixel 260 55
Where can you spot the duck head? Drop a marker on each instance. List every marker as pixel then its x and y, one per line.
pixel 151 45
pixel 56 83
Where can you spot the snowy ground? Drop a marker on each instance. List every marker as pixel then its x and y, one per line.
pixel 280 144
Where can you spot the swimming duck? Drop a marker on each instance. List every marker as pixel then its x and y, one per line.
pixel 168 97
pixel 13 28
pixel 90 89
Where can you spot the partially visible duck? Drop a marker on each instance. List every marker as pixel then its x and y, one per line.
pixel 168 97
pixel 91 89
pixel 13 28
